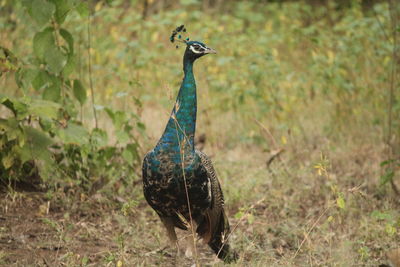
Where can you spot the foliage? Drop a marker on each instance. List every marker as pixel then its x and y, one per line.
pixel 291 82
pixel 43 135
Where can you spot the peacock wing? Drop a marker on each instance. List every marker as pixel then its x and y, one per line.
pixel 214 229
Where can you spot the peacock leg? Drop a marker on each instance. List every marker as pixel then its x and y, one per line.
pixel 169 225
pixel 189 242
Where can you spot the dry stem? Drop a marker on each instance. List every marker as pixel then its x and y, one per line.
pixel 182 153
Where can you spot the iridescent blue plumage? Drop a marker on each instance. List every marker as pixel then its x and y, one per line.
pixel 181 126
pixel 174 171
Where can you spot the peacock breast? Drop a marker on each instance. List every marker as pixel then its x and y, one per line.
pixel 164 183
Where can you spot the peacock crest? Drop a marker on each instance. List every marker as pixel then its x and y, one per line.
pixel 178 35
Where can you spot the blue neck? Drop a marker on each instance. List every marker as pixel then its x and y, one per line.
pixel 181 127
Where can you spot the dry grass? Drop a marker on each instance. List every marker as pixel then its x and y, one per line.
pixel 296 223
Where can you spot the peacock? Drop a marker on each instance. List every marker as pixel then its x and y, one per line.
pixel 179 182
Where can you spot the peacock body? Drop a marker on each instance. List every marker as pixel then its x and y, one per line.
pixel 179 182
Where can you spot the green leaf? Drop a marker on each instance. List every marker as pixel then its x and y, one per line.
pixel 127 155
pixel 42 42
pixel 74 134
pixel 386 162
pixel 19 108
pixel 37 144
pixel 99 137
pixel 9 104
pixel 83 9
pixel 110 113
pixel 118 117
pixel 55 59
pixel 42 11
pixel 17 77
pixel 8 160
pixel 11 127
pixel 52 88
pixel 44 109
pixel 70 66
pixel 36 148
pixel 69 39
pixel 8 61
pixel 52 93
pixel 41 80
pixel 387 176
pixel 46 124
pixel 24 77
pixel 141 125
pixel 62 9
pixel 239 215
pixel 25 154
pixel 341 202
pixel 109 152
pixel 130 153
pixel 122 137
pixel 390 229
pixel 85 261
pixel 28 5
pixel 79 92
pixel 381 215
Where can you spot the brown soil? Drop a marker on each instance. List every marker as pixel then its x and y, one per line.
pixel 80 232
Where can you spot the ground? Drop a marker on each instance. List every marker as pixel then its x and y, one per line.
pixel 285 214
pixel 35 232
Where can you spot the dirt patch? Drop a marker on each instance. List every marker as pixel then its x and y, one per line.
pixel 38 232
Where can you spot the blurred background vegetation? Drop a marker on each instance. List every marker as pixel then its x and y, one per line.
pixel 285 63
pixel 298 90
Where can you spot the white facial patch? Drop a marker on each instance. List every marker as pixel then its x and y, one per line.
pixel 197 48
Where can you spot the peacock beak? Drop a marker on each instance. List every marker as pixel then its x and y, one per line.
pixel 210 51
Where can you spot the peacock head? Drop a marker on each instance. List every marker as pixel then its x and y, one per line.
pixel 194 49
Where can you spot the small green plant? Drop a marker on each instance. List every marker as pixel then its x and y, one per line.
pixel 364 253
pixel 127 207
pixel 389 172
pixel 42 137
pixel 390 221
pixel 322 168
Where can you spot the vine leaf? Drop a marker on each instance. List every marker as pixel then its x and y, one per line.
pixel 44 109
pixel 42 41
pixel 55 59
pixel 62 9
pixel 70 66
pixel 53 92
pixel 42 11
pixel 69 39
pixel 74 134
pixel 79 92
pixel 41 80
pixel 83 9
